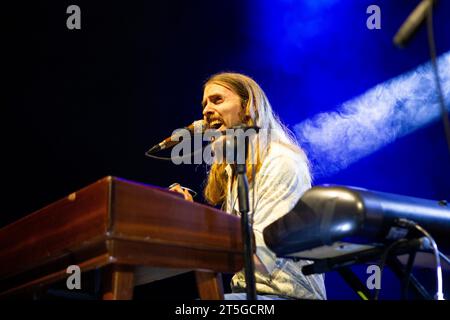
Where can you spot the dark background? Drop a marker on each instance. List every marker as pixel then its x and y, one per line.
pixel 83 104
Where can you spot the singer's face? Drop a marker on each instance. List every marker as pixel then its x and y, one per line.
pixel 221 107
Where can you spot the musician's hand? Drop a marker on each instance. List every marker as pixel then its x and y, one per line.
pixel 184 192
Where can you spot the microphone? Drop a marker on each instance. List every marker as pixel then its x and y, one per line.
pixel 196 127
pixel 412 23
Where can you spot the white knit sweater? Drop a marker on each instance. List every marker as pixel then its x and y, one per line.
pixel 279 184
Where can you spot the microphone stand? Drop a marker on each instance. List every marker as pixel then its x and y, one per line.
pixel 425 11
pixel 244 209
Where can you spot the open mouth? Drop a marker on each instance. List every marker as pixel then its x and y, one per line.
pixel 215 124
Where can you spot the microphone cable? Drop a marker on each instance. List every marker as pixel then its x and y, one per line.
pixel 413 225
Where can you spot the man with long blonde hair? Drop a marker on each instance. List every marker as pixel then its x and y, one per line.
pixel 278 176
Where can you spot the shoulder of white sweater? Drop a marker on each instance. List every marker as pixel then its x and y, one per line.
pixel 282 158
pixel 282 152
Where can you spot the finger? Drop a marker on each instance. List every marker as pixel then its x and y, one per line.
pixel 187 195
pixel 173 185
pixel 176 188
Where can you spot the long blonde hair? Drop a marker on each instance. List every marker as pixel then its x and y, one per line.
pixel 257 112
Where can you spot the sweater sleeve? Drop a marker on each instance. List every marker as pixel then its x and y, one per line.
pixel 282 179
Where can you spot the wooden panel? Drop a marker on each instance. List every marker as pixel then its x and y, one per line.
pixel 167 256
pixel 162 217
pixel 57 264
pixel 119 223
pixel 51 277
pixel 209 285
pixel 118 282
pixel 56 230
